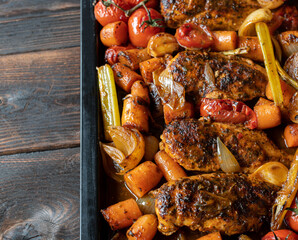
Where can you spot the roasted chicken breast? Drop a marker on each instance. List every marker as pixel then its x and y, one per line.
pixel 237 78
pixel 229 203
pixel 192 143
pixel 217 14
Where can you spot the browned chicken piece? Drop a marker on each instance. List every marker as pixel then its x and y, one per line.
pixel 192 143
pixel 238 78
pixel 217 14
pixel 229 203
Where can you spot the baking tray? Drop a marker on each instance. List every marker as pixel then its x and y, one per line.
pixel 91 176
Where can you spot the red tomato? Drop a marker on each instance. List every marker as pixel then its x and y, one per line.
pixel 150 4
pixel 227 110
pixel 105 15
pixel 281 234
pixel 291 217
pixel 111 54
pixel 190 35
pixel 140 31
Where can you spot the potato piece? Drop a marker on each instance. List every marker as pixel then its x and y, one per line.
pixel 144 228
pixel 135 113
pixel 122 214
pixel 125 77
pixel 132 57
pixel 268 114
pixel 149 66
pixel 289 42
pixel 224 40
pixel 140 89
pixel 170 169
pixel 115 33
pixel 291 135
pixel 187 111
pixel 143 178
pixel 211 236
pixel 161 44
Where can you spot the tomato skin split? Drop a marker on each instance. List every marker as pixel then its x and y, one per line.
pixel 230 111
pixel 194 36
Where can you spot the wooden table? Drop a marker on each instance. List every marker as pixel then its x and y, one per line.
pixel 39 119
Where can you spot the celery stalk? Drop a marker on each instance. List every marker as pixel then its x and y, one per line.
pixel 108 98
pixel 269 60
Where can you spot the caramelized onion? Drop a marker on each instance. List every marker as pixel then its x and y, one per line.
pixel 227 161
pixel 285 76
pixel 271 172
pixel 170 92
pixel 247 28
pixel 271 4
pixel 237 51
pixel 130 146
pixel 109 165
pixel 286 195
pixel 146 204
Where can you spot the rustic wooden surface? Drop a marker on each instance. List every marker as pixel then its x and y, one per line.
pixel 39 119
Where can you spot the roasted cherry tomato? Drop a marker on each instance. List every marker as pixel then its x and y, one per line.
pixel 283 234
pixel 190 35
pixel 150 4
pixel 111 54
pixel 141 29
pixel 105 15
pixel 227 110
pixel 291 217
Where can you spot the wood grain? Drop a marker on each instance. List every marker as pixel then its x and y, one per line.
pixel 39 101
pixel 39 195
pixel 17 8
pixel 40 31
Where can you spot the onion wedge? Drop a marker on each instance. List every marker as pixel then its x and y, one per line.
pixel 271 172
pixel 130 147
pixel 227 161
pixel 286 195
pixel 285 76
pixel 247 28
pixel 269 60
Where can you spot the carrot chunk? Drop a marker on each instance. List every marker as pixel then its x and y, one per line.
pixel 291 135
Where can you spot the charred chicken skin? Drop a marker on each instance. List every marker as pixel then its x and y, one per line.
pixel 234 77
pixel 192 143
pixel 229 203
pixel 217 14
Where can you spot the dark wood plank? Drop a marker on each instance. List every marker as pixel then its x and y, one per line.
pixel 17 8
pixel 39 101
pixel 39 195
pixel 40 31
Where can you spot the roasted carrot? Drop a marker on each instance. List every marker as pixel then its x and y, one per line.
pixel 115 33
pixel 268 114
pixel 132 57
pixel 224 40
pixel 291 135
pixel 111 54
pixel 140 89
pixel 135 113
pixel 125 77
pixel 187 111
pixel 287 92
pixel 144 228
pixel 122 214
pixel 149 66
pixel 143 178
pixel 254 51
pixel 170 169
pixel 211 236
